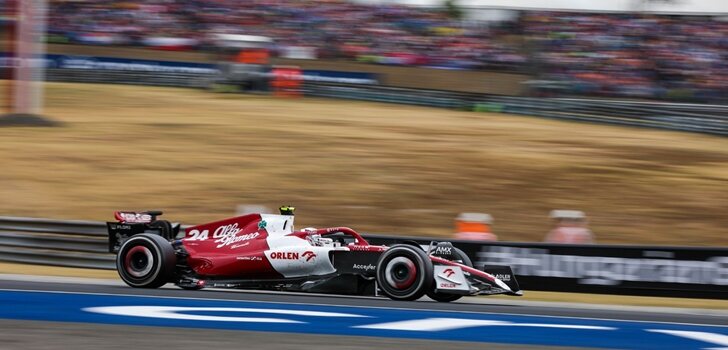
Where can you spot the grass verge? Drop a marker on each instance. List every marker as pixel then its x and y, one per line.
pixel 375 167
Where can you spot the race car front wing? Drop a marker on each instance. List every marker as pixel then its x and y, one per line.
pixel 454 278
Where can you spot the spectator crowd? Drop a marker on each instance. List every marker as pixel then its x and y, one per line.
pixel 595 54
pixel 387 34
pixel 631 55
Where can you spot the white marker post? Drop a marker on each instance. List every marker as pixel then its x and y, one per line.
pixel 26 101
pixel 30 49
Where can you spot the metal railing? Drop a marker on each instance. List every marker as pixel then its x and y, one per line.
pixel 68 243
pixel 692 271
pixel 710 119
pixel 171 79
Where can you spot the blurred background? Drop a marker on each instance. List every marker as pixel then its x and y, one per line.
pixel 642 54
pixel 389 117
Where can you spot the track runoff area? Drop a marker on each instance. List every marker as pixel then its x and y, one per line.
pixel 335 319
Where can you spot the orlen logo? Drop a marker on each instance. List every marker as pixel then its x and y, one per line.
pixel 284 255
pixel 448 272
pixel 309 255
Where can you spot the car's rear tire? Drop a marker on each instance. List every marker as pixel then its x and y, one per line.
pixel 462 258
pixel 404 272
pixel 146 261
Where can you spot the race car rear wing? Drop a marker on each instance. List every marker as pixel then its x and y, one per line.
pixel 132 223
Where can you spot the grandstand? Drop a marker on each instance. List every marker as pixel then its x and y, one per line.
pixel 634 55
pixel 385 34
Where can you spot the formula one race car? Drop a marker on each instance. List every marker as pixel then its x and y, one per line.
pixel 263 251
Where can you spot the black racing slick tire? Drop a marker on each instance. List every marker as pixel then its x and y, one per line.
pixel 404 272
pixel 460 257
pixel 146 261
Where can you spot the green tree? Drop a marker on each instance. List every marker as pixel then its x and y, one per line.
pixel 453 10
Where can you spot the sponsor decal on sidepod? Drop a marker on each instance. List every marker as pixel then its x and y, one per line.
pixel 224 235
pixel 364 267
pixel 230 239
pixel 284 255
pixel 307 255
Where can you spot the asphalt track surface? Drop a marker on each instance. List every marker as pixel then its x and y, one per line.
pixel 45 334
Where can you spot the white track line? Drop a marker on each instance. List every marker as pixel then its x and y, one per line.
pixel 358 306
pixel 475 301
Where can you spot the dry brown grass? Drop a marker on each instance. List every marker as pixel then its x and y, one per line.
pixel 375 167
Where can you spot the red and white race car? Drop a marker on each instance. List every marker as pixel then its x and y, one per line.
pixel 264 251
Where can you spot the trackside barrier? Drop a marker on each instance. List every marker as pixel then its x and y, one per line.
pixel 428 98
pixel 710 119
pixel 606 269
pixel 667 271
pixel 169 79
pixel 69 243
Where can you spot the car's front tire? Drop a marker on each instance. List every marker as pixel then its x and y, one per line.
pixel 146 261
pixel 404 272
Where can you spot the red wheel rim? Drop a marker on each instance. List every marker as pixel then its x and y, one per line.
pixel 138 261
pixel 400 273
